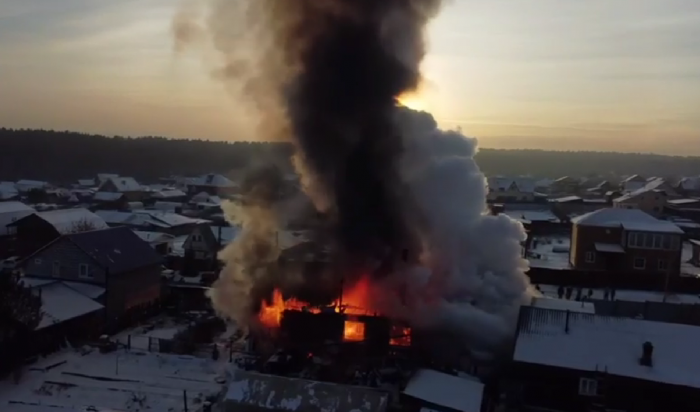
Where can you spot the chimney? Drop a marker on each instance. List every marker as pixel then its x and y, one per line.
pixel 647 351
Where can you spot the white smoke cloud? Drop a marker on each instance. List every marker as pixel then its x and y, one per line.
pixel 473 280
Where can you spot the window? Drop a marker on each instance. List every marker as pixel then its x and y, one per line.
pixel 653 241
pixel 196 238
pixel 640 263
pixel 587 387
pixel 56 269
pixel 84 271
pixel 590 257
pixel 37 261
pixel 662 265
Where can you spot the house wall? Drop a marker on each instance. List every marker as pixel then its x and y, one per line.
pixel 200 248
pixel 128 290
pixel 584 239
pixel 557 389
pixel 69 257
pixel 653 256
pixel 11 217
pixel 34 233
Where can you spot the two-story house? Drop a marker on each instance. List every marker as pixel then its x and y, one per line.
pixel 625 240
pixel 569 361
pixel 565 185
pixel 128 186
pixel 650 198
pixel 38 229
pixel 116 259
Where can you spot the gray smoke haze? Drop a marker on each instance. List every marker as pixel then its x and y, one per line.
pixel 325 75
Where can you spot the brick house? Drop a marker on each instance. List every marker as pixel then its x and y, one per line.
pixel 625 240
pixel 115 259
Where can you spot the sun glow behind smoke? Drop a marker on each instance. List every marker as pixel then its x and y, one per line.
pixel 413 101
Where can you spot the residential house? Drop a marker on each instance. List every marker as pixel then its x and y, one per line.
pixel 535 221
pixel 632 183
pixel 86 183
pixel 110 200
pixel 565 185
pixel 203 245
pixel 70 312
pixel 570 361
pixel 10 212
pixel 103 177
pixel 430 390
pixel 650 198
pixel 511 190
pixel 570 206
pixel 625 240
pixel 128 186
pixel 8 191
pixel 214 184
pixel 161 242
pixel 690 263
pixel 600 189
pixel 169 195
pixel 689 186
pixel 115 259
pixel 152 221
pixel 24 186
pixel 543 185
pixel 38 229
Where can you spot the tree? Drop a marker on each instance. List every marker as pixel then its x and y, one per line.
pixel 37 196
pixel 20 314
pixel 82 225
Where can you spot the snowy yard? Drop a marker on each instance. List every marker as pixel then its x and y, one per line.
pixel 120 381
pixel 550 252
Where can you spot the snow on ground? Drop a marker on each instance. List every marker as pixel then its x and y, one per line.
pixel 145 336
pixel 121 381
pixel 549 252
pixel 626 295
pixel 687 268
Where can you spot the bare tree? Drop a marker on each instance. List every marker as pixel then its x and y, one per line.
pixel 82 225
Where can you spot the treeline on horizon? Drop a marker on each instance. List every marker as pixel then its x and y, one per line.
pixel 64 156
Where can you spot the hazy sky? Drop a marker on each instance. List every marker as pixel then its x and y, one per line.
pixel 560 74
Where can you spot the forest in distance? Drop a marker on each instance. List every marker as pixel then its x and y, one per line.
pixel 64 156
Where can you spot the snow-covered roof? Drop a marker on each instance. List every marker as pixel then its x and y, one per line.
pixel 154 237
pixel 212 180
pixel 261 391
pixel 60 303
pixel 657 184
pixel 125 184
pixel 550 252
pixel 117 249
pixel 169 194
pixel 8 190
pixel 609 344
pixel 31 183
pixel 679 202
pixel 446 390
pixel 529 216
pixel 107 196
pixel 69 220
pixel 228 233
pixel 86 289
pixel 545 302
pixel 690 183
pixel 171 219
pixel 629 219
pixel 13 207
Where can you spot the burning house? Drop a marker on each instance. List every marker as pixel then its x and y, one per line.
pixel 328 77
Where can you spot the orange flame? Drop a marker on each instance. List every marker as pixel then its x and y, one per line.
pixel 354 301
pixel 354 331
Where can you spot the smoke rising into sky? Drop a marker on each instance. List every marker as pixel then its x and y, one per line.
pixel 325 75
